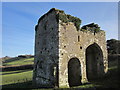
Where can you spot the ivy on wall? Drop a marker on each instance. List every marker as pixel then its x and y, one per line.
pixel 68 18
pixel 91 27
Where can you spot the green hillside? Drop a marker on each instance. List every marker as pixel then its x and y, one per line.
pixel 18 61
pixel 19 76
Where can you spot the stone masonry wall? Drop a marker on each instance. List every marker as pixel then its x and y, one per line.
pixel 46 51
pixel 70 47
pixel 56 42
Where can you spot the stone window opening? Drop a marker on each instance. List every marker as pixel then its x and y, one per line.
pixel 78 38
pixel 55 75
pixel 54 72
pixel 80 47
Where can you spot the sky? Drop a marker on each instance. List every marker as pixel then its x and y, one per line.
pixel 19 20
pixel 60 0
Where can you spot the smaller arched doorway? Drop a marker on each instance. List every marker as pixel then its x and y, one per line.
pixel 94 62
pixel 74 72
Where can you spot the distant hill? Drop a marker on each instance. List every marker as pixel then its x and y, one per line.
pixel 26 56
pixel 4 58
pixel 19 60
pixel 21 56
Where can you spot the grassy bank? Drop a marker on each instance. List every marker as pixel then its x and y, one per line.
pixel 20 76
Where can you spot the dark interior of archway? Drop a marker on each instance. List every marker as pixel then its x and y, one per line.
pixel 94 62
pixel 74 72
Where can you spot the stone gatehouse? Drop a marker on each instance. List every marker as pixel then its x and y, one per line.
pixel 65 54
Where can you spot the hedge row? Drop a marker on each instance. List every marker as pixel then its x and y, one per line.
pixel 13 68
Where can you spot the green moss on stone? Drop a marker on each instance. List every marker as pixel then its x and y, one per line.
pixel 91 27
pixel 63 18
pixel 75 20
pixel 68 18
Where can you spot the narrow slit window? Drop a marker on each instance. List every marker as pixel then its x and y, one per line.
pixel 55 72
pixel 78 38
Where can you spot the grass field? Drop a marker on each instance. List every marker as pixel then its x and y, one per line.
pixel 23 78
pixel 22 61
pixel 10 77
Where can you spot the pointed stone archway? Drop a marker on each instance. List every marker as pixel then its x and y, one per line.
pixel 94 62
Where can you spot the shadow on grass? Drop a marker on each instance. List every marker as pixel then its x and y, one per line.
pixel 17 71
pixel 26 85
pixel 110 80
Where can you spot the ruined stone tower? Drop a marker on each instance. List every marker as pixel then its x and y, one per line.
pixel 66 55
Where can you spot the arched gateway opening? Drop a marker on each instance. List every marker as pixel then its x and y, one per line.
pixel 94 62
pixel 74 72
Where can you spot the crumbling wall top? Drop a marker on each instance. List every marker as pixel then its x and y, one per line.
pixel 91 27
pixel 66 18
pixel 60 15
